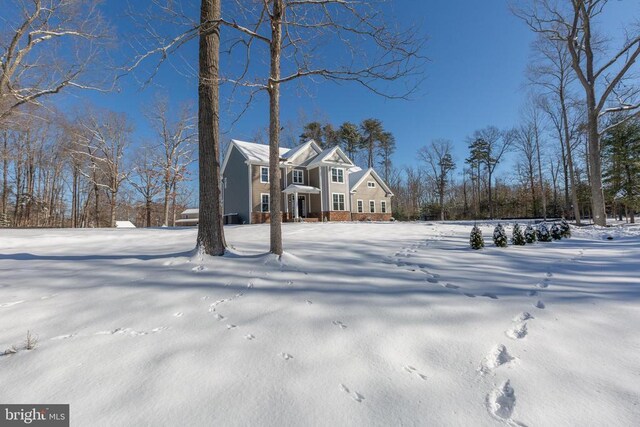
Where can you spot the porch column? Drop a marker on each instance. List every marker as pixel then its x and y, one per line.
pixel 295 206
pixel 286 207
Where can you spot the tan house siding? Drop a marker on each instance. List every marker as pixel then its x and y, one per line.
pixel 377 194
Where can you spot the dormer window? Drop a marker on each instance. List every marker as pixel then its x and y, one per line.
pixel 298 176
pixel 371 184
pixel 337 175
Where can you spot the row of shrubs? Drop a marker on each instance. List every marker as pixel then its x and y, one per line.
pixel 541 233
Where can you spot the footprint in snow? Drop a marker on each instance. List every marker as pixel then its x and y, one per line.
pixel 523 317
pixel 411 370
pixel 344 388
pixel 63 337
pixel 490 295
pixel 518 331
pixel 357 397
pixel 501 401
pixel 178 314
pixel 199 268
pixel 218 316
pixel 450 286
pixel 432 280
pixel 532 293
pixel 540 305
pixel 309 302
pixel 549 274
pixel 467 294
pixel 339 324
pixel 497 357
pixel 286 356
pixel 249 337
pixel 231 326
pixel 543 285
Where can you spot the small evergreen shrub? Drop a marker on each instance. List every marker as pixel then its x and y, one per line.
pixel 476 240
pixel 530 234
pixel 556 232
pixel 518 238
pixel 500 236
pixel 542 233
pixel 565 228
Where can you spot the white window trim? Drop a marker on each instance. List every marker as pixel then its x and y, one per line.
pixel 371 186
pixel 344 202
pixel 268 202
pixel 358 203
pixel 293 176
pixel 337 182
pixel 374 206
pixel 383 206
pixel 268 177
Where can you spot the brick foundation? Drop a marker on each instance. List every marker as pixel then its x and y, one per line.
pixel 336 216
pixel 371 217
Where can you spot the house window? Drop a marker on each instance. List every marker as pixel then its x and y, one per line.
pixel 337 175
pixel 264 202
pixel 338 202
pixel 372 206
pixel 371 184
pixel 383 206
pixel 264 174
pixel 360 206
pixel 298 176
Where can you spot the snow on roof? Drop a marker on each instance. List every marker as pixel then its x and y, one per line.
pixel 124 224
pixel 190 211
pixel 296 188
pixel 256 153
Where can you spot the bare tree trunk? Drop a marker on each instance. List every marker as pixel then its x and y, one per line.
pixel 96 192
pixel 74 199
pixel 274 129
pixel 567 142
pixel 5 174
pixel 542 192
pixel 210 230
pixel 595 168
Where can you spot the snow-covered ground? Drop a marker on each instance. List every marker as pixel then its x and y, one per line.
pixel 361 324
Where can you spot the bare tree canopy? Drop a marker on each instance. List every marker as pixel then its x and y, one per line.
pixel 47 46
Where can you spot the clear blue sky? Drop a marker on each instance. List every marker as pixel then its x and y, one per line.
pixel 478 53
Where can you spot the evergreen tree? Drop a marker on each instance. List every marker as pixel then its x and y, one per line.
pixel 565 228
pixel 500 236
pixel 349 138
pixel 476 240
pixel 530 234
pixel 542 233
pixel 313 131
pixel 518 238
pixel 556 232
pixel 372 132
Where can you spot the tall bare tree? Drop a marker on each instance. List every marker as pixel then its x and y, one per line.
pixel 439 160
pixel 602 72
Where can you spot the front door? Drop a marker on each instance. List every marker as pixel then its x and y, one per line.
pixel 302 206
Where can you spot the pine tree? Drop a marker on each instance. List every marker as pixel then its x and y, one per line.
pixel 500 236
pixel 518 238
pixel 529 234
pixel 565 228
pixel 476 240
pixel 556 232
pixel 543 233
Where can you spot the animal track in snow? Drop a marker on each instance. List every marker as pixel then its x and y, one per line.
pixel 231 326
pixel 496 358
pixel 219 316
pixel 543 285
pixel 249 337
pixel 344 388
pixel 9 304
pixel 178 314
pixel 549 274
pixel 357 397
pixel 540 305
pixel 518 331
pixel 63 337
pixel 339 324
pixel 501 401
pixel 286 356
pixel 199 268
pixel 411 370
pixel 489 295
pixel 309 302
pixel 130 331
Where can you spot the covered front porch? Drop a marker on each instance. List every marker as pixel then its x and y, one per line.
pixel 302 203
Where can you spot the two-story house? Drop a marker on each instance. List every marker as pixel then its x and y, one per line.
pixel 316 184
